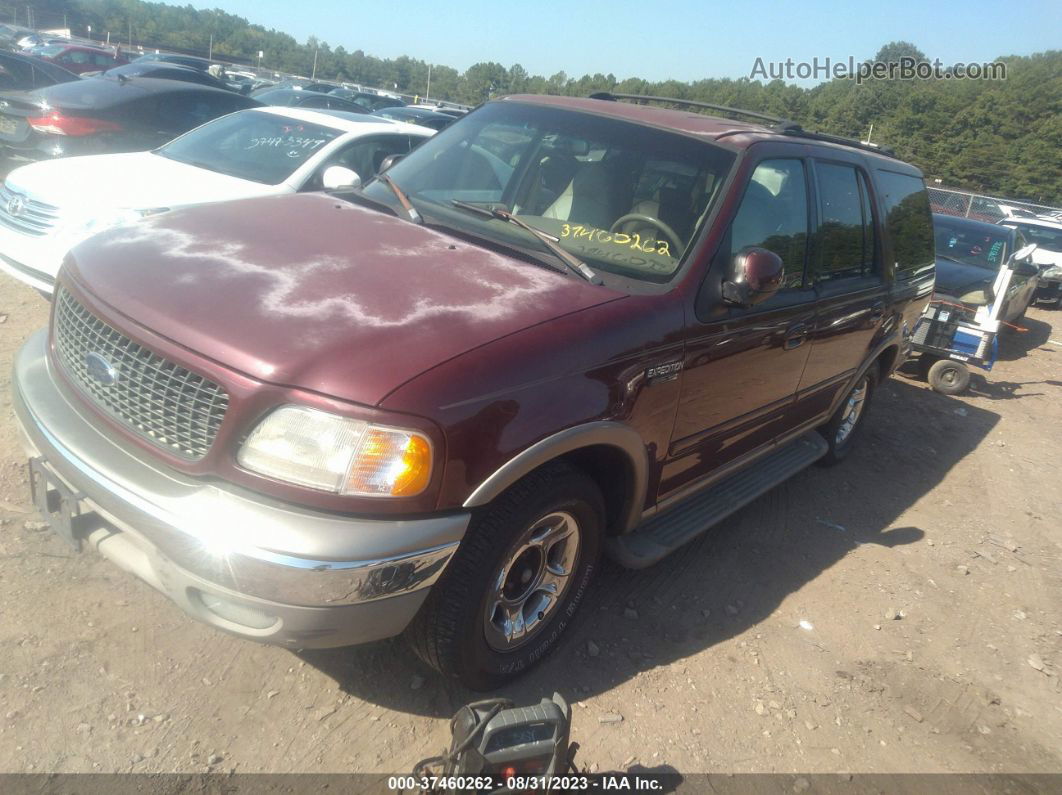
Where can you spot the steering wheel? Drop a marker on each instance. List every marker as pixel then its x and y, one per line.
pixel 667 231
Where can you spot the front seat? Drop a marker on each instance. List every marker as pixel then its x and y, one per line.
pixel 593 197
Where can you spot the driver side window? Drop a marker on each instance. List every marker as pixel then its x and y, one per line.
pixel 364 156
pixel 774 215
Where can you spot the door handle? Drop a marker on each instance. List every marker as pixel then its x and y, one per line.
pixel 795 336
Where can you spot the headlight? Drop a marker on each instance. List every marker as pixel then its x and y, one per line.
pixel 90 226
pixel 325 451
pixel 1054 272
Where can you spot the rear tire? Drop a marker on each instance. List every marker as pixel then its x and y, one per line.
pixel 490 617
pixel 846 424
pixel 948 377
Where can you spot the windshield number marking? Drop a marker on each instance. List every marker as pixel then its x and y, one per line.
pixel 632 241
pixel 296 144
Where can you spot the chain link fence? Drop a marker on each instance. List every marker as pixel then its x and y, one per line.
pixel 983 208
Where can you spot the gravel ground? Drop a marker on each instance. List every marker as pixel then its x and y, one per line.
pixel 898 613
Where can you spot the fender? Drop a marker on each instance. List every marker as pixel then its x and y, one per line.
pixel 612 434
pixel 894 337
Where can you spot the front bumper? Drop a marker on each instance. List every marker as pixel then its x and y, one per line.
pixel 264 570
pixel 1048 290
pixel 33 260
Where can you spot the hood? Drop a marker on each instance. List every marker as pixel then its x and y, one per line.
pixel 1046 258
pixel 955 278
pixel 312 292
pixel 135 180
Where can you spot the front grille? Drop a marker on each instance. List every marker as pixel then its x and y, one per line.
pixel 174 408
pixel 31 217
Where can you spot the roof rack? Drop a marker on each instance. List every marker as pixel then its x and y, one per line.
pixel 690 104
pixel 776 124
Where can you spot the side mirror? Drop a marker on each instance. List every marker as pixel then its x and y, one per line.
pixel 1026 269
pixel 388 161
pixel 339 178
pixel 755 276
pixel 1021 262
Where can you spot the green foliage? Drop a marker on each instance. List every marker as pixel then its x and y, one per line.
pixel 998 136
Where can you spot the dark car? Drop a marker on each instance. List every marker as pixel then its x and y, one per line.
pixel 191 61
pixel 969 255
pixel 421 116
pixel 323 88
pixel 165 71
pixel 98 115
pixel 456 113
pixel 433 408
pixel 301 98
pixel 24 73
pixel 371 102
pixel 77 58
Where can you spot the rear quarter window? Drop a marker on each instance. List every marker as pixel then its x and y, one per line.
pixel 908 222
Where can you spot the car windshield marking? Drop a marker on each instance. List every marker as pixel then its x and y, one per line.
pixel 574 264
pixel 261 147
pixel 615 197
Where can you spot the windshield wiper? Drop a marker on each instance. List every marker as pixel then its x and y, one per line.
pixel 576 265
pixel 403 199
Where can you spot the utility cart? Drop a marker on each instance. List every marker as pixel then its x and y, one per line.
pixel 948 341
pixel 947 345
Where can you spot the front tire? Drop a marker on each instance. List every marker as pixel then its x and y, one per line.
pixel 846 424
pixel 515 582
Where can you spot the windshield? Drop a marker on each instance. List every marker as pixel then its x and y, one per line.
pixel 624 198
pixel 49 51
pixel 971 245
pixel 255 145
pixel 1042 236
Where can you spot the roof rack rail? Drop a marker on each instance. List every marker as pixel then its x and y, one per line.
pixel 799 132
pixel 691 104
pixel 778 125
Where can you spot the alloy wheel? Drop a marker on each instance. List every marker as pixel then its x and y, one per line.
pixel 532 581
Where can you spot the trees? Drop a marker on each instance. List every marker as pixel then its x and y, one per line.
pixel 998 136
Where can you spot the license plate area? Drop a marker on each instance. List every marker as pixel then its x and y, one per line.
pixel 8 126
pixel 60 507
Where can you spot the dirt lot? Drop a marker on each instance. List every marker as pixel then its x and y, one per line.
pixel 769 645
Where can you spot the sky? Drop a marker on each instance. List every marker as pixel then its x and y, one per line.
pixel 660 39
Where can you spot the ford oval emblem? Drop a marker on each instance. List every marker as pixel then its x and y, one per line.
pixel 100 370
pixel 15 205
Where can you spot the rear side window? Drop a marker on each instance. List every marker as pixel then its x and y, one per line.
pixel 316 102
pixel 846 225
pixel 774 215
pixel 16 75
pixel 908 222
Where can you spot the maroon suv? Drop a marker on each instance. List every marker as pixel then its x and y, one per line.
pixel 559 328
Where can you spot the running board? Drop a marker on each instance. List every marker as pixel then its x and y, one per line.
pixel 670 529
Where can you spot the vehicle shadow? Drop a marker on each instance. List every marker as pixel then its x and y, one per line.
pixel 724 583
pixel 1014 344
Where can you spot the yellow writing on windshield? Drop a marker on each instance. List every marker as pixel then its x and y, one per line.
pixel 632 241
